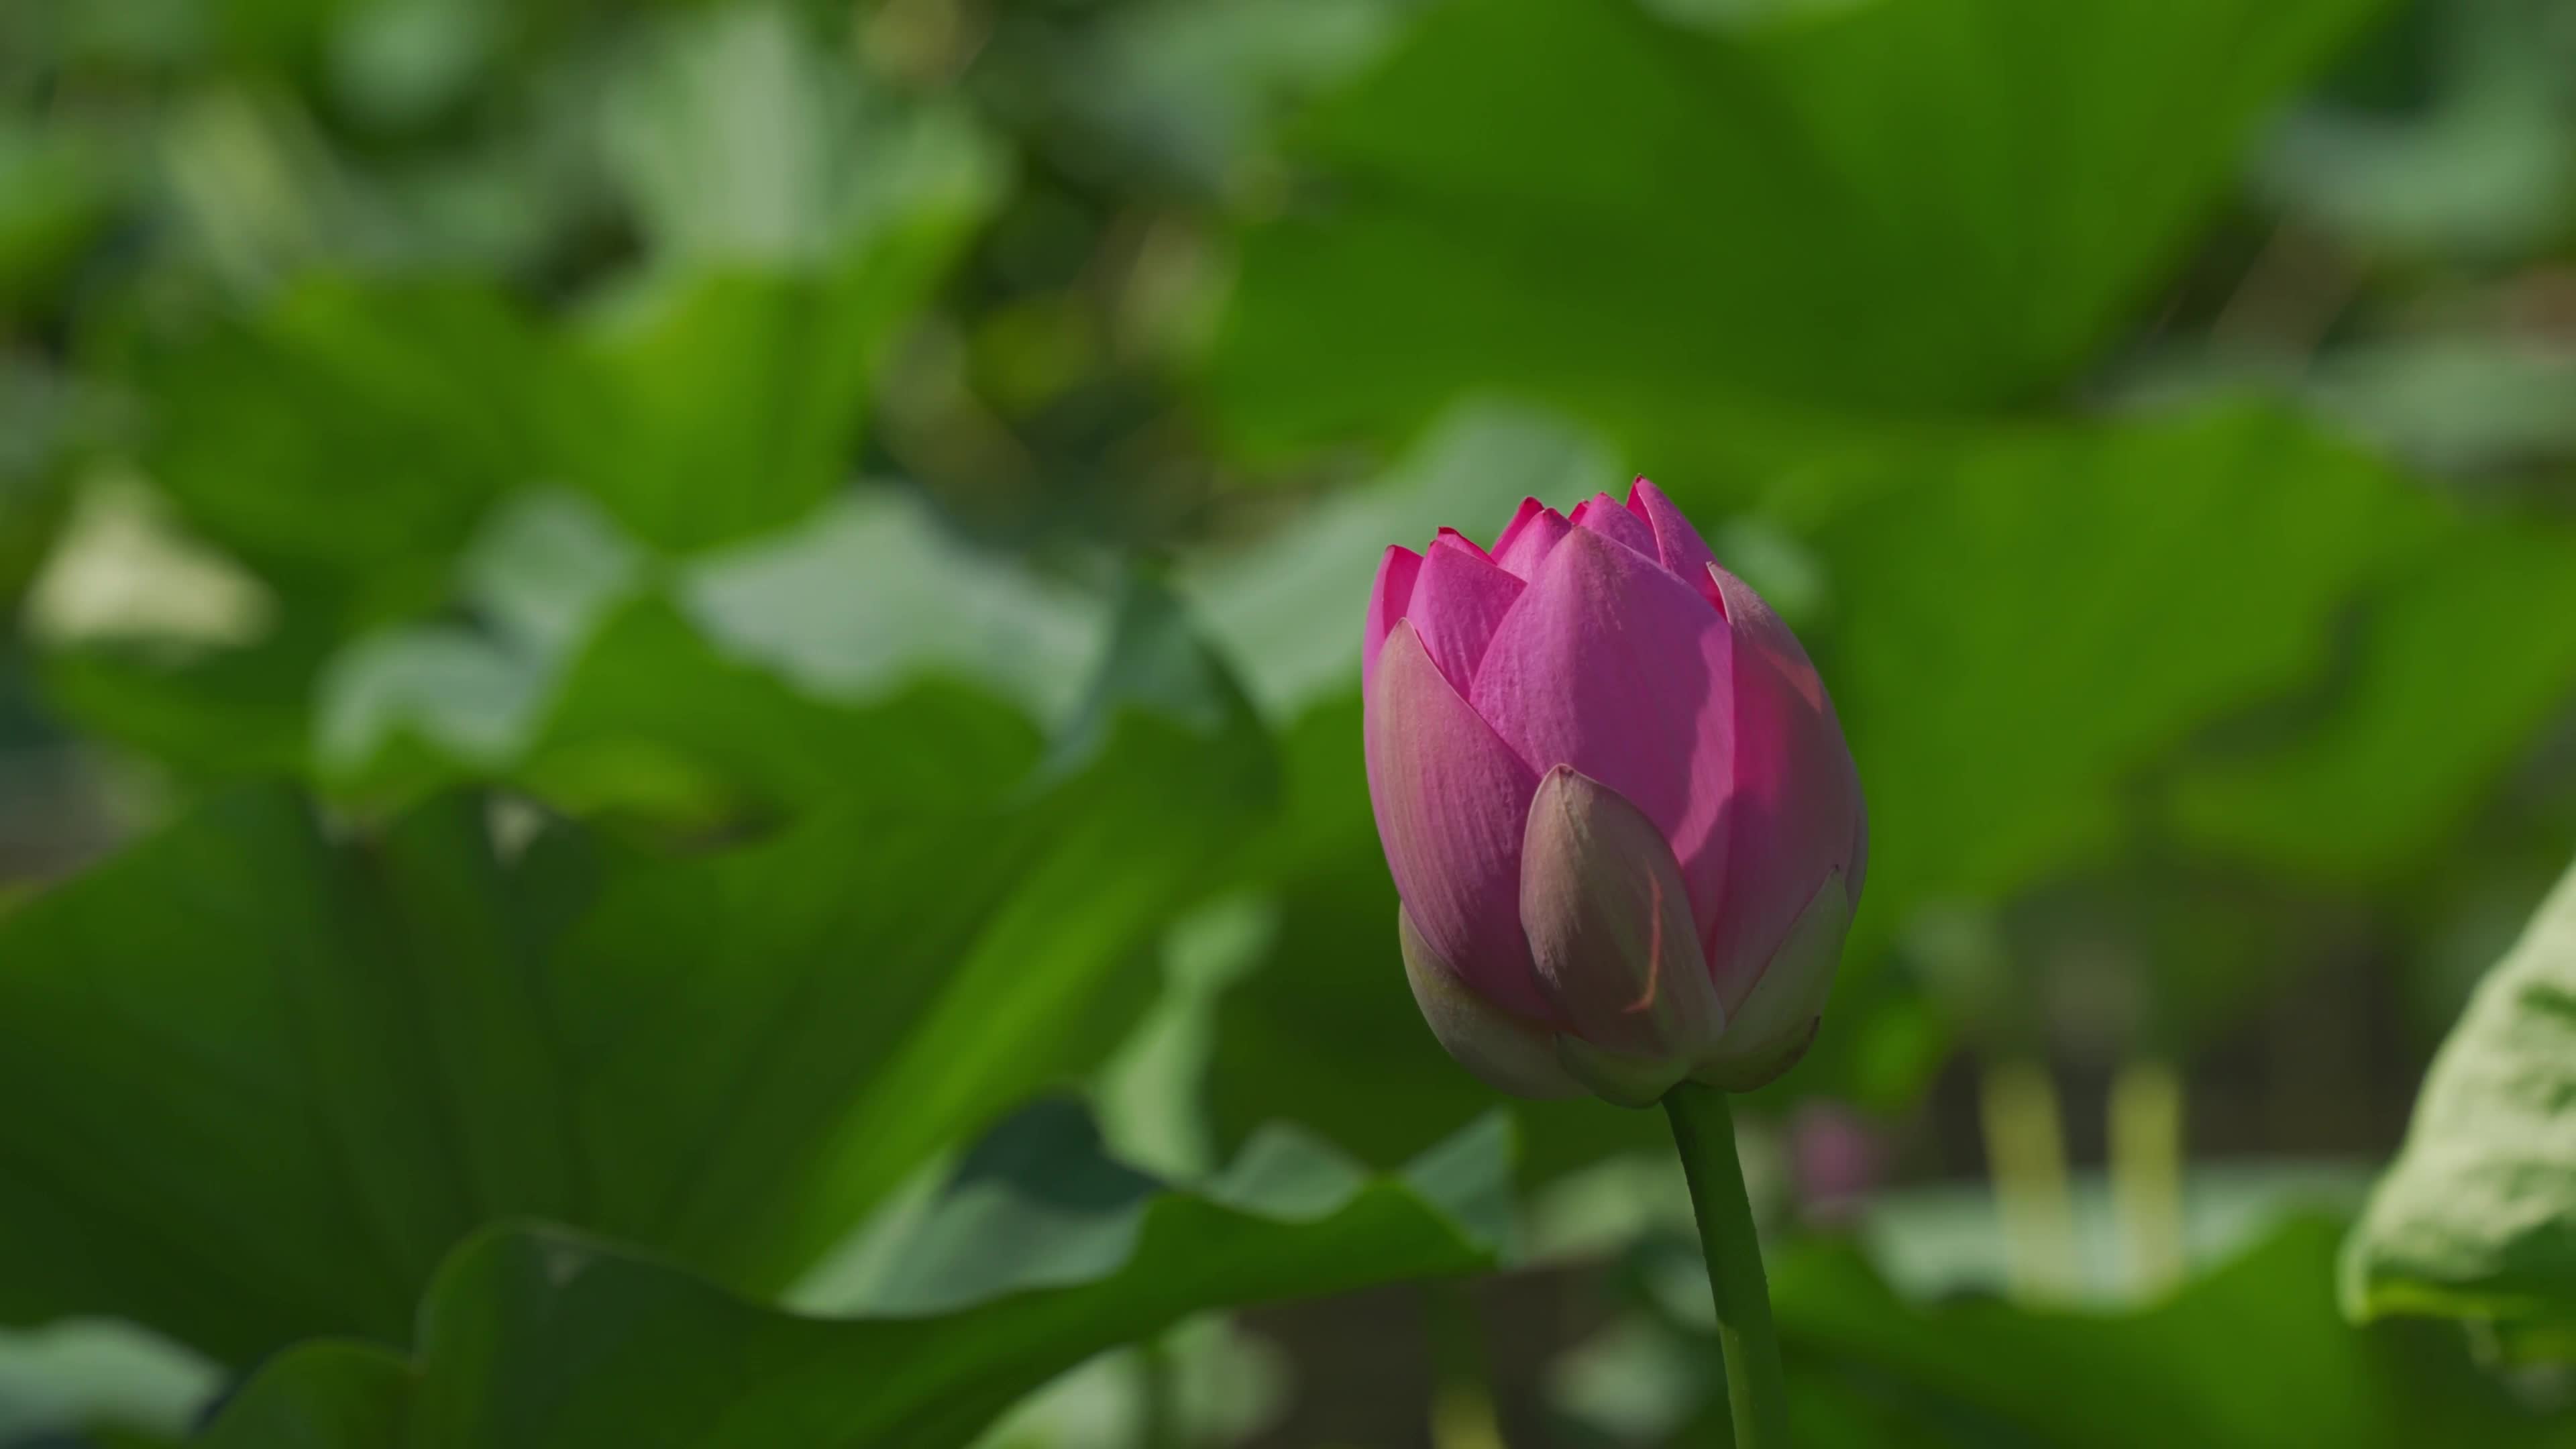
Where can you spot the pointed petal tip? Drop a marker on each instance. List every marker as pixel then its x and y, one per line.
pixel 1453 536
pixel 1530 508
pixel 1606 516
pixel 1397 569
pixel 1532 535
pixel 1459 600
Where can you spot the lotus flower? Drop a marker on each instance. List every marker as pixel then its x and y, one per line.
pixel 1616 801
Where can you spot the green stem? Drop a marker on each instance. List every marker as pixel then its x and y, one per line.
pixel 2026 1158
pixel 1462 1399
pixel 1756 1396
pixel 2146 1169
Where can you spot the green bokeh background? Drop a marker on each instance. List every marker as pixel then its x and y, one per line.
pixel 679 732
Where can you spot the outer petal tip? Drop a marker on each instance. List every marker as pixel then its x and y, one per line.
pixel 1678 546
pixel 1604 515
pixel 1530 508
pixel 1459 599
pixel 1451 535
pixel 1397 570
pixel 1533 534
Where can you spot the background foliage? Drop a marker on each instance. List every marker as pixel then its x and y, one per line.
pixel 679 732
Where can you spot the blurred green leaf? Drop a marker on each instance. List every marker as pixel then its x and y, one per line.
pixel 2477 1217
pixel 1909 205
pixel 1045 1253
pixel 344 440
pixel 1949 1239
pixel 761 676
pixel 2476 167
pixel 379 1042
pixel 743 136
pixel 653 715
pixel 96 1375
pixel 729 403
pixel 355 433
pixel 364 447
pixel 2024 622
pixel 36 405
pixel 1870 1369
pixel 350 438
pixel 2454 405
pixel 1192 88
pixel 236 712
pixel 2451 676
pixel 53 195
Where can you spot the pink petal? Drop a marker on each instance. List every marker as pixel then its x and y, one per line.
pixel 1609 925
pixel 1387 601
pixel 1451 800
pixel 1797 815
pixel 1458 600
pixel 1774 1024
pixel 1678 544
pixel 1531 537
pixel 1614 667
pixel 1463 541
pixel 1604 516
pixel 1530 508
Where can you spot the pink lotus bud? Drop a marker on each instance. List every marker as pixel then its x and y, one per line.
pixel 1616 802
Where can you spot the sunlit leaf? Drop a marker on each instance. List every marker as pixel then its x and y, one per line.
pixel 764 677
pixel 2477 1218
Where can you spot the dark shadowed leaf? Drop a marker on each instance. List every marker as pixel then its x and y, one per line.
pixel 1040 1253
pixel 344 439
pixel 1872 1369
pixel 2023 622
pixel 380 1040
pixel 2456 663
pixel 1911 205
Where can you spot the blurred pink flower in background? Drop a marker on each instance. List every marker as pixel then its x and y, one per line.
pixel 1837 1159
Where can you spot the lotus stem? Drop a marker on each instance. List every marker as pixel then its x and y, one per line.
pixel 2026 1159
pixel 1462 1396
pixel 2146 1169
pixel 1757 1396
